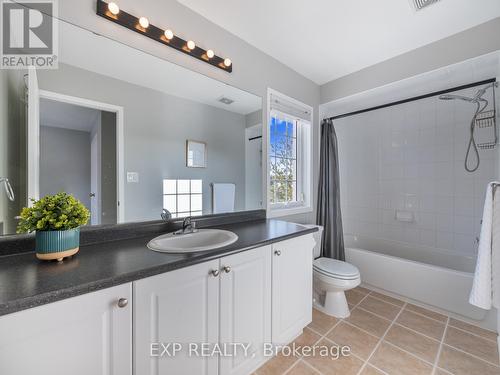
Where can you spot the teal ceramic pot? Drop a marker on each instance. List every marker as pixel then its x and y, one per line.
pixel 57 244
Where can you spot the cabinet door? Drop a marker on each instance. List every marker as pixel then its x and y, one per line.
pixel 181 307
pixel 292 287
pixel 88 334
pixel 245 315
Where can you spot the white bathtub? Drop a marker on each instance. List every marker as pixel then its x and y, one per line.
pixel 432 276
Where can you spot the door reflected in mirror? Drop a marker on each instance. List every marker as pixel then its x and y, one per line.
pixel 128 134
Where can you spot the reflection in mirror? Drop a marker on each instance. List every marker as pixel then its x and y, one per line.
pixel 111 126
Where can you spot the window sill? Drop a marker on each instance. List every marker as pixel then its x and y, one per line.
pixel 279 212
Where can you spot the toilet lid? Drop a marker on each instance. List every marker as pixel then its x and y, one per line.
pixel 336 268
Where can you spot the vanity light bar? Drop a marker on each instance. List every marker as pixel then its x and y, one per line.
pixel 142 26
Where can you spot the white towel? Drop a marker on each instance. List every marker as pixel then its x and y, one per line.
pixel 223 198
pixel 485 287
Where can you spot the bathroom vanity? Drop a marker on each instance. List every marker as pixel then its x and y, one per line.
pixel 256 291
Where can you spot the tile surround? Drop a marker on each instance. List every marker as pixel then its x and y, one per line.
pixel 416 341
pixel 411 157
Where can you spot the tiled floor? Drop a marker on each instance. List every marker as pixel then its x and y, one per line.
pixel 392 337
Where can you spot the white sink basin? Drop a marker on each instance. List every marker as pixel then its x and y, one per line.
pixel 202 240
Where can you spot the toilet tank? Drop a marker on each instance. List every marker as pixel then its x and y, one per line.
pixel 317 237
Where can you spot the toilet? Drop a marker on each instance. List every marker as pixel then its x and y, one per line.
pixel 331 278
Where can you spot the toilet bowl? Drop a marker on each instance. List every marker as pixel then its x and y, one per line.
pixel 331 278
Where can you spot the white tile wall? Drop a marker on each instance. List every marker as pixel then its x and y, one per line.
pixel 411 157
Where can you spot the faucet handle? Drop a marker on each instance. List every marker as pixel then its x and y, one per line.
pixel 166 215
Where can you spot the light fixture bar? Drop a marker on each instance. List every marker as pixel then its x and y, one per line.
pixel 151 31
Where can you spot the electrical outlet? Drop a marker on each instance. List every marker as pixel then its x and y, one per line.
pixel 132 177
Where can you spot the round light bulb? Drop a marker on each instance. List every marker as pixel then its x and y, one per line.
pixel 113 8
pixel 191 45
pixel 227 62
pixel 210 54
pixel 144 22
pixel 169 34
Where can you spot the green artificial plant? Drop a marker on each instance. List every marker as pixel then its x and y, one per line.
pixel 60 212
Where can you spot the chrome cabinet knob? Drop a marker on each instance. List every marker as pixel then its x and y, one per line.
pixel 277 253
pixel 122 302
pixel 227 269
pixel 214 273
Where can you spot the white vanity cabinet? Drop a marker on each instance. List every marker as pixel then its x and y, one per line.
pixel 292 287
pixel 222 301
pixel 256 296
pixel 87 334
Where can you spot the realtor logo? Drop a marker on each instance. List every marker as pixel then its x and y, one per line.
pixel 29 34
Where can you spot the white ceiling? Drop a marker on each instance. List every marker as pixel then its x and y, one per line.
pixel 68 116
pixel 86 50
pixel 325 40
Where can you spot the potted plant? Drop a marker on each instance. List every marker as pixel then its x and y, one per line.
pixel 56 219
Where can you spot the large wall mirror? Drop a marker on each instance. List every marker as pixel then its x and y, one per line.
pixel 111 126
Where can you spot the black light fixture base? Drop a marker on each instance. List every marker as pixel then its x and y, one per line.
pixel 132 23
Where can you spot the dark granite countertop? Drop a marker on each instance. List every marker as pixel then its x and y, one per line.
pixel 26 282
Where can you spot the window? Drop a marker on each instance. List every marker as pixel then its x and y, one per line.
pixel 183 197
pixel 283 160
pixel 289 154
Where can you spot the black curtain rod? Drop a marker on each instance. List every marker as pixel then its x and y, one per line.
pixel 436 93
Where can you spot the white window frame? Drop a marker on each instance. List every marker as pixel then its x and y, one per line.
pixel 304 161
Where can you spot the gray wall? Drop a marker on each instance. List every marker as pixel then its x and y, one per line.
pixel 253 118
pixel 156 129
pixel 471 43
pixel 108 169
pixel 65 162
pixel 253 70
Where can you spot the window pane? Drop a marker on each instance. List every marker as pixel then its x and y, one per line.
pixel 183 186
pixel 280 191
pixel 183 203
pixel 196 202
pixel 291 187
pixel 169 203
pixel 196 187
pixel 169 186
pixel 196 213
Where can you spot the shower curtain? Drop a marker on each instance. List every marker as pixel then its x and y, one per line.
pixel 328 212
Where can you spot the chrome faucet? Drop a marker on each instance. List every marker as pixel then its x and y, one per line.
pixel 188 226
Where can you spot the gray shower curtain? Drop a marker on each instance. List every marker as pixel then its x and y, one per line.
pixel 328 212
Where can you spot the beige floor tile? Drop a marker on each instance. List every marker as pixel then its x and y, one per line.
pixel 321 322
pixel 307 338
pixel 441 372
pixel 277 366
pixel 459 363
pixel 370 370
pixel 490 335
pixel 327 365
pixel 421 324
pixel 369 322
pixel 419 345
pixel 354 297
pixel 396 362
pixel 428 313
pixel 302 369
pixel 379 307
pixel 475 345
pixel 360 289
pixel 386 298
pixel 360 342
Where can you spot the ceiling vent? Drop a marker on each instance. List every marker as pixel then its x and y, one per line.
pixel 421 4
pixel 225 100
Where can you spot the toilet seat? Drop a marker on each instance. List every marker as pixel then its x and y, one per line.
pixel 336 269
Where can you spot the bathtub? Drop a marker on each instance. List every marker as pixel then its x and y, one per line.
pixel 431 276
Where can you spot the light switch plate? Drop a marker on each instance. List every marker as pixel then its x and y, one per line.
pixel 132 177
